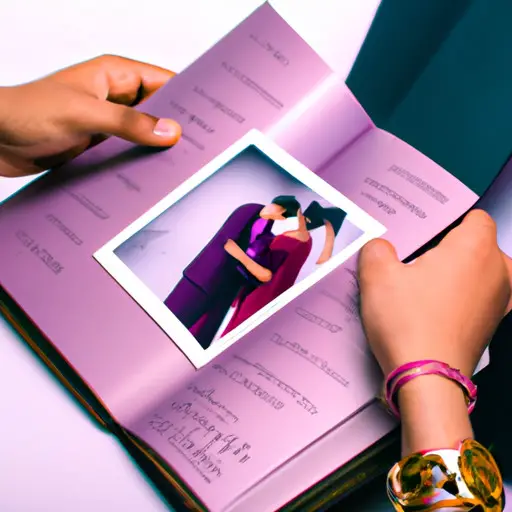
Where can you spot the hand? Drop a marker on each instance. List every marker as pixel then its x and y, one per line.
pixel 230 246
pixel 330 238
pixel 45 123
pixel 261 273
pixel 445 305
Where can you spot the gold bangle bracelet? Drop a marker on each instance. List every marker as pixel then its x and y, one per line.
pixel 466 478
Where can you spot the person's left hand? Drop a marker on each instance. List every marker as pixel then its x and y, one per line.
pixel 49 121
pixel 445 305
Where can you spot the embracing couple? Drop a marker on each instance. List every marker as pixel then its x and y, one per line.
pixel 246 266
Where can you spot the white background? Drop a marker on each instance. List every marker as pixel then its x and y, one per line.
pixel 52 457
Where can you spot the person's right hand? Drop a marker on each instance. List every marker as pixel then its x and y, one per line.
pixel 445 305
pixel 50 121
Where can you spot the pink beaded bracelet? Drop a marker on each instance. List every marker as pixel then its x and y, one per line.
pixel 409 371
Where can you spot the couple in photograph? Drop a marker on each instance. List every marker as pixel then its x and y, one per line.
pixel 246 266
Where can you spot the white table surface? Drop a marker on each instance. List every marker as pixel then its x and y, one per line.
pixel 52 457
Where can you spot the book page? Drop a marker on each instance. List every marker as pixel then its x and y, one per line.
pixel 95 251
pixel 306 369
pixel 406 191
pixel 253 78
pixel 235 243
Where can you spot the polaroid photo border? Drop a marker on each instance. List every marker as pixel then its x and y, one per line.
pixel 156 308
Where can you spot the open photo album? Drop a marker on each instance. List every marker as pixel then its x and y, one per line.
pixel 201 302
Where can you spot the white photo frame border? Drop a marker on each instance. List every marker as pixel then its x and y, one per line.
pixel 156 308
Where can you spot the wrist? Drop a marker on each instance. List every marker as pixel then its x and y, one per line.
pixel 434 414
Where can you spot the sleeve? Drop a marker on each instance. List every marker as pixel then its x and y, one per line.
pixel 235 225
pixel 213 252
pixel 272 261
pixel 276 260
pixel 290 264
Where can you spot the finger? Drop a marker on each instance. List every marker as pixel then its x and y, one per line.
pixel 377 257
pixel 476 230
pixel 481 221
pixel 102 117
pixel 117 79
pixel 131 81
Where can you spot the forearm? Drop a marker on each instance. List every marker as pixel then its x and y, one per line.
pixel 257 270
pixel 328 245
pixel 236 252
pixel 434 414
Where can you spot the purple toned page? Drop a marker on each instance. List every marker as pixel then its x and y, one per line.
pixel 282 387
pixel 412 196
pixel 415 199
pixel 316 130
pixel 407 192
pixel 330 452
pixel 252 78
pixel 129 261
pixel 301 380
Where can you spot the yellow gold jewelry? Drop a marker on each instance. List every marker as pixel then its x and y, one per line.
pixel 466 478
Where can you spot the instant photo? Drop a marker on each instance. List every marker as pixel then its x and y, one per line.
pixel 233 244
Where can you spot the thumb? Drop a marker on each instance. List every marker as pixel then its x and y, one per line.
pixel 476 230
pixel 127 123
pixel 376 258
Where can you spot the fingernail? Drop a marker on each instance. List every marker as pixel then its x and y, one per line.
pixel 167 128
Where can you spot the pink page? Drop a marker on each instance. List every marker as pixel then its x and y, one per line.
pixel 305 371
pixel 400 169
pixel 52 229
pixel 410 194
pixel 297 376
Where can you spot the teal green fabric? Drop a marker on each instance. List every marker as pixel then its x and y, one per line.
pixel 458 108
pixel 403 38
